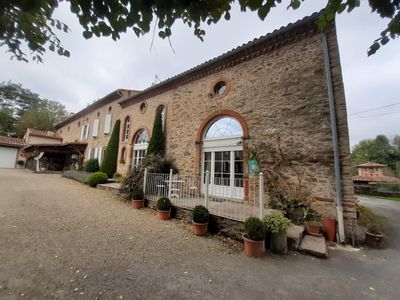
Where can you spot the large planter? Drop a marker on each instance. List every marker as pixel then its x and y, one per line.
pixel 329 226
pixel 137 203
pixel 278 242
pixel 373 240
pixel 164 214
pixel 253 248
pixel 200 228
pixel 313 229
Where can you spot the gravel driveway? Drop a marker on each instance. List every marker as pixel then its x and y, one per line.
pixel 61 239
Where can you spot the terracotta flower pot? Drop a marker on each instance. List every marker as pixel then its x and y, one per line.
pixel 373 240
pixel 164 214
pixel 200 229
pixel 137 203
pixel 313 229
pixel 253 248
pixel 329 226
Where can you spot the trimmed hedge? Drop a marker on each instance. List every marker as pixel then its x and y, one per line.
pixel 91 165
pixel 201 214
pixel 157 141
pixel 109 163
pixel 255 229
pixel 163 203
pixel 97 178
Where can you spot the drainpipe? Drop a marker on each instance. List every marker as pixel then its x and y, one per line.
pixel 332 110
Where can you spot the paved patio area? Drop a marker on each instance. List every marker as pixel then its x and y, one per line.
pixel 60 239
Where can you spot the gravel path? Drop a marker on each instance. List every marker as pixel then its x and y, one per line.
pixel 61 239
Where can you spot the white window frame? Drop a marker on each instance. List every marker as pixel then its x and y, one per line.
pixel 96 123
pixel 127 129
pixel 107 124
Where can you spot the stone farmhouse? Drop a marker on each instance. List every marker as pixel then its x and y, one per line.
pixel 284 88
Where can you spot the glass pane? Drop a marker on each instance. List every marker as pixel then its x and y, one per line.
pixel 238 155
pixel 227 155
pixel 224 127
pixel 226 167
pixel 217 167
pixel 207 156
pixel 238 167
pixel 218 155
pixel 207 166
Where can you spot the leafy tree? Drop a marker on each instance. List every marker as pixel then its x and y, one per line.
pixel 21 108
pixel 32 22
pixel 109 163
pixel 7 122
pixel 13 96
pixel 379 150
pixel 38 119
pixel 157 141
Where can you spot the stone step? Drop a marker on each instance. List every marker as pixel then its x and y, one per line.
pixel 314 245
pixel 294 236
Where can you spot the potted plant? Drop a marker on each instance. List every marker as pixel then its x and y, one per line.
pixel 164 208
pixel 313 221
pixel 254 167
pixel 200 220
pixel 137 197
pixel 373 235
pixel 254 237
pixel 277 225
pixel 329 226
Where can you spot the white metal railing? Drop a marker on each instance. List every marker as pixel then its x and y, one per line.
pixel 246 197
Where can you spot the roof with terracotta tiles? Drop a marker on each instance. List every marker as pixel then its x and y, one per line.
pixel 375 179
pixel 42 133
pixel 11 142
pixel 371 165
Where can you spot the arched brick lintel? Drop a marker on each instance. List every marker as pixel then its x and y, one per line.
pixel 222 113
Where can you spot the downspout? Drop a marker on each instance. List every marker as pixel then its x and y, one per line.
pixel 336 155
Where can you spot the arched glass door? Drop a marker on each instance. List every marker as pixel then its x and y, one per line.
pixel 223 157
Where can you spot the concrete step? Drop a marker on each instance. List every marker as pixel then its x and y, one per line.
pixel 314 245
pixel 294 236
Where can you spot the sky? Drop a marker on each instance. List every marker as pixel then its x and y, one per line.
pixel 100 65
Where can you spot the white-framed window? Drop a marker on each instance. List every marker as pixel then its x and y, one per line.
pixel 127 128
pixel 107 124
pixel 85 132
pixel 95 128
pixel 141 142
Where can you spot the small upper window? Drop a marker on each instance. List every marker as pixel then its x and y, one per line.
pixel 68 128
pixel 220 88
pixel 143 107
pixel 109 109
pixel 98 114
pixel 127 128
pixel 79 124
pixel 224 127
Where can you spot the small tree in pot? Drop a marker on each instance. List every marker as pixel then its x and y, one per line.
pixel 313 221
pixel 201 217
pixel 137 197
pixel 254 238
pixel 277 225
pixel 164 208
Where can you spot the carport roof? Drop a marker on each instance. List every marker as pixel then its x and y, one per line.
pixel 11 142
pixel 75 147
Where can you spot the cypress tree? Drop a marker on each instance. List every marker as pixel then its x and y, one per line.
pixel 157 141
pixel 109 163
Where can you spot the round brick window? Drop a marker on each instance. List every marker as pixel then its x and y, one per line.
pixel 143 107
pixel 220 88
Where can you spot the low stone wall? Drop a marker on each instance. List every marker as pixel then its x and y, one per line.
pixel 226 227
pixel 372 191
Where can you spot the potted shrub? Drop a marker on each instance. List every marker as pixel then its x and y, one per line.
pixel 97 178
pixel 137 197
pixel 200 220
pixel 254 237
pixel 313 221
pixel 277 225
pixel 164 208
pixel 373 235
